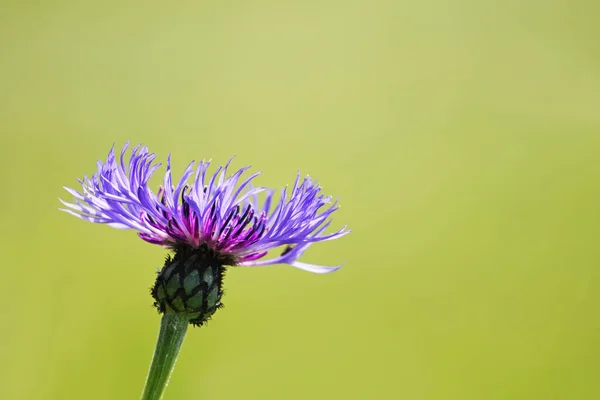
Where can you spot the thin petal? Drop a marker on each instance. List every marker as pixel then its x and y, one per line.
pixel 317 269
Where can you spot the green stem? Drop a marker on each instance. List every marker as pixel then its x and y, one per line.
pixel 172 332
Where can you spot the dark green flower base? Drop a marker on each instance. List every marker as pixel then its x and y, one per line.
pixel 191 283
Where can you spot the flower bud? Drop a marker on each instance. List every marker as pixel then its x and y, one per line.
pixel 191 283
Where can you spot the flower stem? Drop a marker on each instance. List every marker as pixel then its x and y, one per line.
pixel 172 332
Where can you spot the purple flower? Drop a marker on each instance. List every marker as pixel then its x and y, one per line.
pixel 219 211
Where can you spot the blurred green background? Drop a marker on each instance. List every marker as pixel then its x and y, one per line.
pixel 461 136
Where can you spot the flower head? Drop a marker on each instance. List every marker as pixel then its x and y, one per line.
pixel 218 212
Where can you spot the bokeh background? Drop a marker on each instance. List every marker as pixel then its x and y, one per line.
pixel 462 137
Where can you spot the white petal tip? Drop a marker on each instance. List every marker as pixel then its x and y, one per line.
pixel 317 269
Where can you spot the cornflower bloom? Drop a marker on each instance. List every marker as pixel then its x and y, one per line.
pixel 210 223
